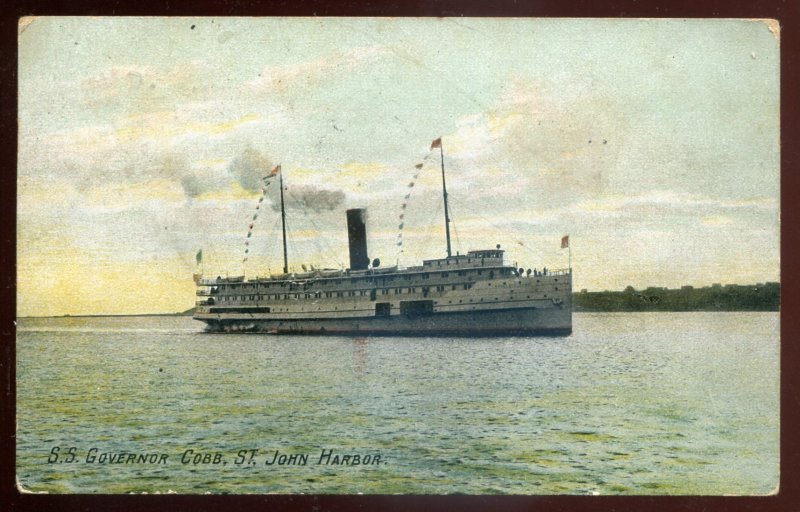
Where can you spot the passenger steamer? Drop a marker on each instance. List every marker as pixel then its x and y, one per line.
pixel 473 294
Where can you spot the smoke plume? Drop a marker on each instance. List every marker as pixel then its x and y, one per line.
pixel 249 168
pixel 307 197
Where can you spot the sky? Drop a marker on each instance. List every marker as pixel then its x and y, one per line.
pixel 653 144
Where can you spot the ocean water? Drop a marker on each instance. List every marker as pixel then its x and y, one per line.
pixel 642 403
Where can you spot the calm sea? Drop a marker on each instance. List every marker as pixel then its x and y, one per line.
pixel 642 403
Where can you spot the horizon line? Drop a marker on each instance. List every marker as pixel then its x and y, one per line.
pixel 183 313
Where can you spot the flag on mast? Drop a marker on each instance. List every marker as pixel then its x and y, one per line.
pixel 275 171
pixel 437 143
pixel 199 256
pixel 565 242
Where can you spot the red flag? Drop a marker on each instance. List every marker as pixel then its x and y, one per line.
pixel 437 143
pixel 565 242
pixel 274 171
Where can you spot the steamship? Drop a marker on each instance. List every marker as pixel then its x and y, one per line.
pixel 472 294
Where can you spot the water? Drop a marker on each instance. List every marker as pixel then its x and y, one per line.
pixel 643 403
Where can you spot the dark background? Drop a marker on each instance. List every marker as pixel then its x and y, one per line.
pixel 787 12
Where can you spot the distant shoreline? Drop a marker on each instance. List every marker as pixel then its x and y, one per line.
pixel 107 316
pixel 763 297
pixel 581 310
pixel 731 297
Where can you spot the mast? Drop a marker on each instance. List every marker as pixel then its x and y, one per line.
pixel 283 224
pixel 444 193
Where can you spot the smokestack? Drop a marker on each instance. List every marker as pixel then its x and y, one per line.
pixel 357 238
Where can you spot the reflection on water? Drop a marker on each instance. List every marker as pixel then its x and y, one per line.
pixel 360 356
pixel 645 403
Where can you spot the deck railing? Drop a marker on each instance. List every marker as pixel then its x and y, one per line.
pixel 223 280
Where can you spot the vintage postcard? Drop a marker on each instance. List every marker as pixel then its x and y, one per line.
pixel 398 256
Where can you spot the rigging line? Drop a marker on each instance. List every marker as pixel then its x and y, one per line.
pixel 290 243
pixel 429 234
pixel 514 235
pixel 451 85
pixel 289 233
pixel 455 229
pixel 328 250
pixel 274 231
pixel 319 238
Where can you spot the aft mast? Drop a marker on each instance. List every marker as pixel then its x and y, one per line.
pixel 283 224
pixel 438 144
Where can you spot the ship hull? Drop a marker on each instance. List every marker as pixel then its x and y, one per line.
pixel 496 322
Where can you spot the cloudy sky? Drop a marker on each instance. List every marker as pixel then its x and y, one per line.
pixel 653 143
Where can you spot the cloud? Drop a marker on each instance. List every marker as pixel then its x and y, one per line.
pixel 161 122
pixel 200 178
pixel 559 148
pixel 186 120
pixel 716 220
pixel 280 79
pixel 141 88
pixel 660 201
pixel 156 195
pixel 193 186
pixel 235 179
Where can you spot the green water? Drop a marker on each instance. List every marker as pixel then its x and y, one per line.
pixel 642 403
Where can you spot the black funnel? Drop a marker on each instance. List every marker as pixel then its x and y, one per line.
pixel 357 238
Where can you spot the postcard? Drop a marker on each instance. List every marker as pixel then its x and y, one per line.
pixel 515 256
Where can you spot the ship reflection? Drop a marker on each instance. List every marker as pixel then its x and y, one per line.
pixel 360 346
